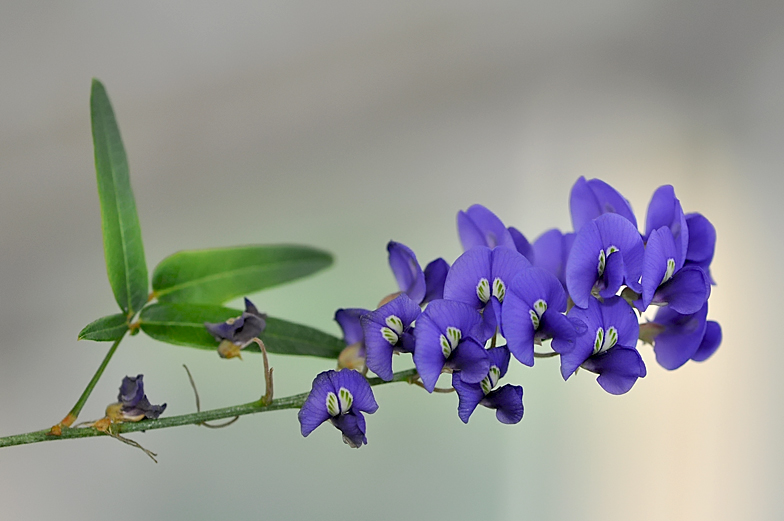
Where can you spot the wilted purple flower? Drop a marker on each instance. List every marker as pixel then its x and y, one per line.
pixel 533 312
pixel 590 199
pixel 340 397
pixel 444 341
pixel 606 346
pixel 678 338
pixel 387 330
pixel 506 400
pixel 236 333
pixel 607 253
pixel 480 278
pixel 134 405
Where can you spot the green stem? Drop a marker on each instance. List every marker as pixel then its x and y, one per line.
pixel 290 402
pixel 74 413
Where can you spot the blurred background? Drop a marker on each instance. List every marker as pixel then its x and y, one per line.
pixel 344 125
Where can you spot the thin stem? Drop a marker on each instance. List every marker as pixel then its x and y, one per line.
pixel 290 402
pixel 198 404
pixel 545 355
pixel 74 413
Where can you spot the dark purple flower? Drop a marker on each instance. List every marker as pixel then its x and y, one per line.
pixel 478 226
pixel 606 346
pixel 444 340
pixel 134 403
pixel 340 397
pixel 702 242
pixel 678 338
pixel 533 312
pixel 480 278
pixel 387 330
pixel 236 333
pixel 590 199
pixel 607 253
pixel 665 279
pixel 506 400
pixel 551 251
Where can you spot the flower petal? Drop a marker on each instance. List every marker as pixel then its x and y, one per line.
pixel 682 336
pixel 686 292
pixel 618 369
pixel 710 342
pixel 435 277
pixel 348 320
pixel 468 395
pixel 314 411
pixel 508 403
pixel 590 199
pixel 408 273
pixel 478 226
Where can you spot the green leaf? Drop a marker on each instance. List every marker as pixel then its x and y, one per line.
pixel 122 237
pixel 217 275
pixel 105 329
pixel 183 324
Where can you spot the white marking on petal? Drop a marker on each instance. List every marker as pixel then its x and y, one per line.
pixel 598 341
pixel 395 323
pixel 483 290
pixel 346 399
pixel 389 335
pixel 605 341
pixel 602 262
pixel 332 404
pixel 670 270
pixel 499 289
pixel 540 306
pixel 534 318
pixel 450 340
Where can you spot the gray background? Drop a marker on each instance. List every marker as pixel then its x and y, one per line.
pixel 343 126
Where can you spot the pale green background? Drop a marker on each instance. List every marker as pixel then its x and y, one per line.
pixel 344 125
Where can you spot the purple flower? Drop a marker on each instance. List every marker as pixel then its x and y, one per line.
pixel 444 340
pixel 678 338
pixel 665 279
pixel 134 405
pixel 506 400
pixel 480 278
pixel 236 333
pixel 590 199
pixel 353 356
pixel 606 346
pixel 387 330
pixel 607 252
pixel 478 226
pixel 533 312
pixel 665 210
pixel 551 251
pixel 340 397
pixel 421 287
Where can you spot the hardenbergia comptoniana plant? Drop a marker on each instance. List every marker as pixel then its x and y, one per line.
pixel 585 297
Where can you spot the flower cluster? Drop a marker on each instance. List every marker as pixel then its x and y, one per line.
pixel 583 291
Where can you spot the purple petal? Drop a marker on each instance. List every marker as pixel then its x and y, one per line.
pixel 619 232
pixel 468 395
pixel 681 339
pixel 686 292
pixel 521 244
pixel 508 403
pixel 702 239
pixel 518 328
pixel 710 342
pixel 575 355
pixel 348 320
pixel 616 312
pixel 359 388
pixel 618 369
pixel 353 428
pixel 131 390
pixel 551 249
pixel 408 273
pixel 471 360
pixel 465 274
pixel 658 251
pixel 590 199
pixel 478 226
pixel 379 350
pixel 499 357
pixel 582 266
pixel 314 411
pixel 435 277
pixel 612 279
pixel 665 211
pixel 556 326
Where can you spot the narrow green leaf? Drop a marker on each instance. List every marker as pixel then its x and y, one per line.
pixel 122 237
pixel 105 329
pixel 217 275
pixel 183 324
